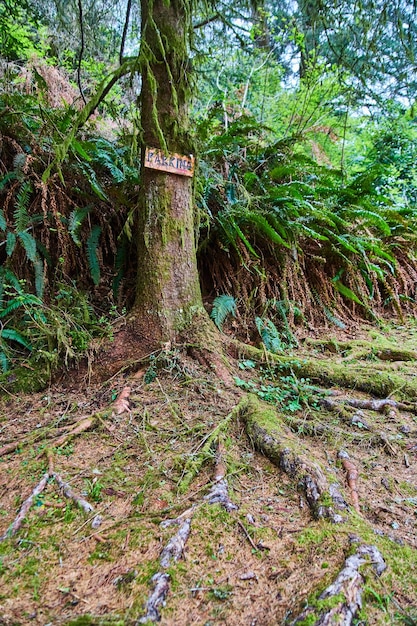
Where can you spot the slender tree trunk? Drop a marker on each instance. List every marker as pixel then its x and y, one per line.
pixel 167 285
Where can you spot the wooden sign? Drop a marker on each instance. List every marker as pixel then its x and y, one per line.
pixel 156 159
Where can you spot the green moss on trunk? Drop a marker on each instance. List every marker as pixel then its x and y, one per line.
pixel 168 284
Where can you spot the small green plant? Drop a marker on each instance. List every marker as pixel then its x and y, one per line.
pixel 221 593
pixel 289 393
pixel 223 306
pixel 382 601
pixel 94 489
pixel 269 334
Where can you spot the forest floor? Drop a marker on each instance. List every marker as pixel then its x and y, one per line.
pixel 151 444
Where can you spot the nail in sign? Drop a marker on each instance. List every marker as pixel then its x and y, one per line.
pixel 173 163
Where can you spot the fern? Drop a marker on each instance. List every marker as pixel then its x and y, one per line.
pixel 346 292
pixel 222 306
pixel 93 261
pixel 75 221
pixel 8 278
pixel 4 361
pixel 269 334
pixel 332 318
pixel 29 244
pixel 24 300
pixel 91 177
pixel 264 227
pixel 20 215
pixel 13 335
pixel 3 223
pixel 119 264
pixel 10 243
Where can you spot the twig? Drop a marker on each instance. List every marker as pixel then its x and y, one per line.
pixel 247 535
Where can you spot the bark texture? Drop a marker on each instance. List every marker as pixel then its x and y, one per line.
pixel 168 286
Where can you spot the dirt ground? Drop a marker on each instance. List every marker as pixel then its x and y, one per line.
pixel 142 460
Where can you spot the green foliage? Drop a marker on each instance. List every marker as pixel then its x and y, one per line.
pixel 223 306
pixel 269 334
pixel 288 393
pixel 50 335
pixel 92 247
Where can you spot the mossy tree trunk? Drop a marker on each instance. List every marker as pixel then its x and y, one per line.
pixel 167 285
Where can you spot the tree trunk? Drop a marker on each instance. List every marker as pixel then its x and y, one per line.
pixel 167 286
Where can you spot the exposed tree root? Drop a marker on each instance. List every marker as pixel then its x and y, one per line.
pixel 380 383
pixel 272 438
pixel 196 461
pixel 174 549
pixel 351 477
pixel 388 353
pixel 79 427
pixel 24 509
pixel 65 490
pixel 348 584
pixel 352 418
pixel 219 493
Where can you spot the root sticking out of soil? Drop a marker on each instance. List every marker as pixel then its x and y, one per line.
pixel 176 495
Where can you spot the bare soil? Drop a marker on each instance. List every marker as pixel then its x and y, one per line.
pixel 261 564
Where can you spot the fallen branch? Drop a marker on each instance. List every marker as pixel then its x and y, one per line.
pixel 15 526
pixel 349 584
pixel 271 437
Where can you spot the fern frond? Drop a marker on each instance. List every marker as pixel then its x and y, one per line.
pixel 75 221
pixel 346 292
pixel 4 362
pixel 91 177
pixel 13 335
pixel 10 243
pixel 20 215
pixel 222 306
pixel 9 176
pixel 3 223
pixel 264 227
pixel 373 219
pixel 269 334
pixel 108 160
pixel 22 300
pixel 29 244
pixel 119 265
pixel 93 261
pixel 332 318
pixel 8 278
